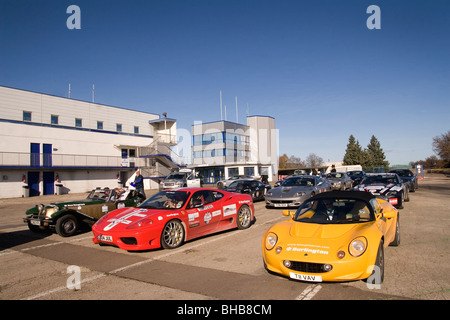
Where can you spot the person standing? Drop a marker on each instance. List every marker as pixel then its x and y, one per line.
pixel 139 183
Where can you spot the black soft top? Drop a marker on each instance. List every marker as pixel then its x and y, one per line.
pixel 361 195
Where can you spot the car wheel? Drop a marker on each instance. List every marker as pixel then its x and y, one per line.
pixel 400 201
pixel 67 225
pixel 244 217
pixel 396 240
pixel 172 235
pixel 377 276
pixel 220 185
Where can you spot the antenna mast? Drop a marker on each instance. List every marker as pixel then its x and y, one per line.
pixel 237 117
pixel 221 105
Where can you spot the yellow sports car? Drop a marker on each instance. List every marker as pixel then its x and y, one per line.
pixel 333 236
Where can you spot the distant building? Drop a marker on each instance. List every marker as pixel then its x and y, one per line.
pixel 50 143
pixel 224 149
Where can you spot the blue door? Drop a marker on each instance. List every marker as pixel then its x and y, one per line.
pixel 49 182
pixel 33 183
pixel 47 149
pixel 35 155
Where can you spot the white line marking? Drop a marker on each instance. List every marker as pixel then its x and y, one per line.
pixel 309 292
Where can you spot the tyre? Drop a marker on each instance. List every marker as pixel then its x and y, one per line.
pixel 244 217
pixel 377 276
pixel 400 201
pixel 172 235
pixel 67 225
pixel 396 241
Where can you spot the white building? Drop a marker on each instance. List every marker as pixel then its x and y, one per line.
pixel 224 149
pixel 47 142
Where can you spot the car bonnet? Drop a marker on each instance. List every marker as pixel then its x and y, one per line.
pixel 120 219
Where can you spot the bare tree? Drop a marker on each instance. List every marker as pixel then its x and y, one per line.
pixel 441 145
pixel 313 161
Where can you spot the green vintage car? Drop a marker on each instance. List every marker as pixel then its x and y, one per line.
pixel 67 217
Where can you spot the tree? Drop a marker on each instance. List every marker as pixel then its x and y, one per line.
pixel 353 153
pixel 283 161
pixel 375 155
pixel 313 161
pixel 295 162
pixel 292 162
pixel 441 145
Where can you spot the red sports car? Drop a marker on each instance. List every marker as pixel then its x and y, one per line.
pixel 171 217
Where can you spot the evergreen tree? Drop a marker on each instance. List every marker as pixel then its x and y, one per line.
pixel 353 154
pixel 375 154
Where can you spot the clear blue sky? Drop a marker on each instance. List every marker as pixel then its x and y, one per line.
pixel 312 65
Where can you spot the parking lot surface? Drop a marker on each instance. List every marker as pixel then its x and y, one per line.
pixel 223 266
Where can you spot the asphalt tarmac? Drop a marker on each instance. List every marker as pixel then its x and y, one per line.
pixel 225 266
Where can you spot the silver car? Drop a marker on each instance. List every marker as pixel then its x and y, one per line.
pixel 222 184
pixel 340 180
pixel 294 190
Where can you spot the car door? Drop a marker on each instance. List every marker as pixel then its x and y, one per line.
pixel 192 181
pixel 204 213
pixel 378 210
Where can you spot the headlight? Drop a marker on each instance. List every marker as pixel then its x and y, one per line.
pixel 50 211
pixel 357 246
pixel 141 223
pixel 300 194
pixel 271 240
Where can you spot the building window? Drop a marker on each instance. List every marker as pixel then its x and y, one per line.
pixel 100 125
pixel 233 172
pixel 78 122
pixel 118 127
pixel 136 129
pixel 249 171
pixel 54 119
pixel 26 116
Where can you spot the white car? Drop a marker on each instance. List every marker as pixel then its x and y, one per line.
pixel 180 179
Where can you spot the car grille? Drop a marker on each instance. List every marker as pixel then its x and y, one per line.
pixel 42 211
pixel 129 240
pixel 307 267
pixel 281 201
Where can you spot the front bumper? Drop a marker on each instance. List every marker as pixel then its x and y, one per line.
pixel 285 202
pixel 306 269
pixel 39 222
pixel 129 240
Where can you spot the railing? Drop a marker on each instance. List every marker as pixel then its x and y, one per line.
pixel 36 160
pixel 162 146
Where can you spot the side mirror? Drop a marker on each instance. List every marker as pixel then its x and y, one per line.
pixel 288 213
pixel 389 214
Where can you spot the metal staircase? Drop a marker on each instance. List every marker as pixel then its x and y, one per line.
pixel 159 159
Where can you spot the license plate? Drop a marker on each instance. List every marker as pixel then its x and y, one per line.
pixel 105 238
pixel 35 222
pixel 281 204
pixel 305 277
